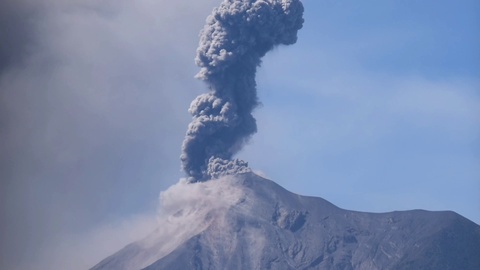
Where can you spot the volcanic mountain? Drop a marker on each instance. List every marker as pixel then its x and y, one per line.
pixel 248 222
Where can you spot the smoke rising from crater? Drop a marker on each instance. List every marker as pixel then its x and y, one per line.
pixel 236 36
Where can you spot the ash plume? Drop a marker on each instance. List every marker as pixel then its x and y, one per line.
pixel 236 36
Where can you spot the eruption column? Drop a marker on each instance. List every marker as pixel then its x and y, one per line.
pixel 236 36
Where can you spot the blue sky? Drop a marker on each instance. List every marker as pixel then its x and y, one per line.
pixel 376 108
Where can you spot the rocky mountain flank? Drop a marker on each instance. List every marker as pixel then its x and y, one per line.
pixel 269 227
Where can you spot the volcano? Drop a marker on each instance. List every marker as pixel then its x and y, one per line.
pixel 250 222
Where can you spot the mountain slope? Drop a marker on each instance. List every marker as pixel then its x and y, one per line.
pixel 263 226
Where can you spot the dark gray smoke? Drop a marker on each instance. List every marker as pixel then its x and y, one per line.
pixel 236 36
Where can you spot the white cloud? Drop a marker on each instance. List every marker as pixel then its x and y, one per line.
pixel 84 250
pixel 93 113
pixel 184 210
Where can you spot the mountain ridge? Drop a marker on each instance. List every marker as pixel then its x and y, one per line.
pixel 264 226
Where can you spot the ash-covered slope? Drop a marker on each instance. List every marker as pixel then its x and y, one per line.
pixel 252 223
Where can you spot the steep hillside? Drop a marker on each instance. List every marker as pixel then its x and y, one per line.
pixel 263 226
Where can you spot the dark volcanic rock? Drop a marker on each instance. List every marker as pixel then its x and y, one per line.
pixel 271 228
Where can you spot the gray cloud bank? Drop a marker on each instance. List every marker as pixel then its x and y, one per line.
pixel 92 98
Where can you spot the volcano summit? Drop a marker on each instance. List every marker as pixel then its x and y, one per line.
pixel 248 222
pixel 223 216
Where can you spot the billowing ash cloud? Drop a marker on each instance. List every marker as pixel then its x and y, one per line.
pixel 236 36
